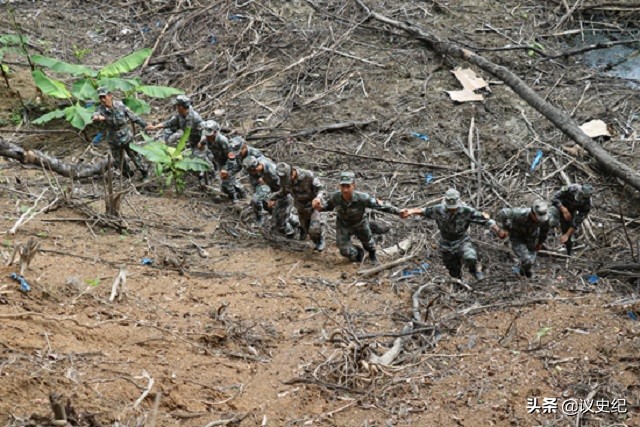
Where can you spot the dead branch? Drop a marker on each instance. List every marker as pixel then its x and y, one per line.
pixel 385 266
pixel 121 281
pixel 556 116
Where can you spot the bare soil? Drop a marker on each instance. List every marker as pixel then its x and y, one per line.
pixel 230 324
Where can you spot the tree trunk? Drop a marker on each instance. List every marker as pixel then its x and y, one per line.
pixel 556 116
pixel 35 157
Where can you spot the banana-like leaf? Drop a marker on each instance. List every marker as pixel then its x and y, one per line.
pixel 138 106
pixel 55 114
pixel 126 64
pixel 63 67
pixel 192 164
pixel 116 83
pixel 78 116
pixel 49 86
pixel 83 89
pixel 159 91
pixel 13 39
pixel 182 142
pixel 154 152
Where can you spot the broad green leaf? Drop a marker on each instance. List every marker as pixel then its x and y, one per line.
pixel 168 180
pixel 146 137
pixel 116 83
pixel 62 67
pixel 182 142
pixel 13 39
pixel 154 152
pixel 138 106
pixel 83 89
pixel 49 86
pixel 159 91
pixel 192 164
pixel 78 116
pixel 55 114
pixel 126 64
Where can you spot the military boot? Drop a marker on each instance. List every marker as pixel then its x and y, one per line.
pixel 303 234
pixel 320 245
pixel 372 257
pixel 360 254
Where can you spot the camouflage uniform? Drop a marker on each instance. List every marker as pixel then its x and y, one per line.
pixel 304 189
pixel 525 233
pixel 570 197
pixel 230 186
pixel 351 221
pixel 263 184
pixel 455 243
pixel 206 155
pixel 177 124
pixel 119 135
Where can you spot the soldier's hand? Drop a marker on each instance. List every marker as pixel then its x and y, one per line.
pixel 537 247
pixel 151 127
pixel 99 118
pixel 404 213
pixel 316 204
pixel 503 234
pixel 224 174
pixel 564 239
pixel 271 204
pixel 260 181
pixel 566 214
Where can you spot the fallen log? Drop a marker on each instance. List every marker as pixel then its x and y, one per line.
pixel 556 116
pixel 38 158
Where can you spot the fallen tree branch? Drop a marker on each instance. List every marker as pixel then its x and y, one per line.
pixel 35 157
pixel 385 266
pixel 121 281
pixel 556 116
pixel 312 131
pixel 390 355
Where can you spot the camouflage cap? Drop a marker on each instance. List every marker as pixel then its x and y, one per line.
pixel 586 190
pixel 250 163
pixel 103 91
pixel 541 209
pixel 283 169
pixel 452 199
pixel 182 100
pixel 347 178
pixel 210 127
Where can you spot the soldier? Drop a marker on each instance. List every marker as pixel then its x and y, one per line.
pixel 239 150
pixel 202 152
pixel 528 229
pixel 186 117
pixel 350 206
pixel 116 117
pixel 217 143
pixel 265 180
pixel 304 187
pixel 574 204
pixel 453 220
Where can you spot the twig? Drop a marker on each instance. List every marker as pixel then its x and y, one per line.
pixel 121 280
pixel 144 394
pixel 385 266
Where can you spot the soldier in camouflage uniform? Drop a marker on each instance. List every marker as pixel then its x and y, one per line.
pixel 202 152
pixel 304 187
pixel 574 204
pixel 528 229
pixel 350 207
pixel 453 220
pixel 175 126
pixel 217 143
pixel 264 181
pixel 116 117
pixel 230 185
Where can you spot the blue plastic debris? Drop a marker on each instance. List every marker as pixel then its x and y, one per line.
pixel 88 104
pixel 593 279
pixel 146 261
pixel 536 160
pixel 97 138
pixel 145 29
pixel 213 39
pixel 24 286
pixel 515 269
pixel 420 136
pixel 632 315
pixel 236 17
pixel 428 177
pixel 158 23
pixel 416 271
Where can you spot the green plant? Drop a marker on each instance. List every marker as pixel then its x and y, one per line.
pixel 16 118
pixel 80 53
pixel 85 81
pixel 9 43
pixel 170 163
pixel 93 282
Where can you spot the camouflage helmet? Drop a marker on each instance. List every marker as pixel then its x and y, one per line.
pixel 236 143
pixel 347 178
pixel 210 127
pixel 541 209
pixel 103 91
pixel 452 199
pixel 182 101
pixel 585 192
pixel 283 170
pixel 250 163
